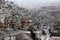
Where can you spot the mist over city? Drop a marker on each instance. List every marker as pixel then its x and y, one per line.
pixel 35 3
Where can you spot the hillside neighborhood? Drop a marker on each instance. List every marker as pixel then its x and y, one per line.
pixel 19 23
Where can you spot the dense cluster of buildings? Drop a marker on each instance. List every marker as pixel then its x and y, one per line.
pixel 13 19
pixel 8 12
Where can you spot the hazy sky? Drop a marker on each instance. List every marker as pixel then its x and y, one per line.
pixel 34 3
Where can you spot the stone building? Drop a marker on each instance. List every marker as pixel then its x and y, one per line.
pixel 2 17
